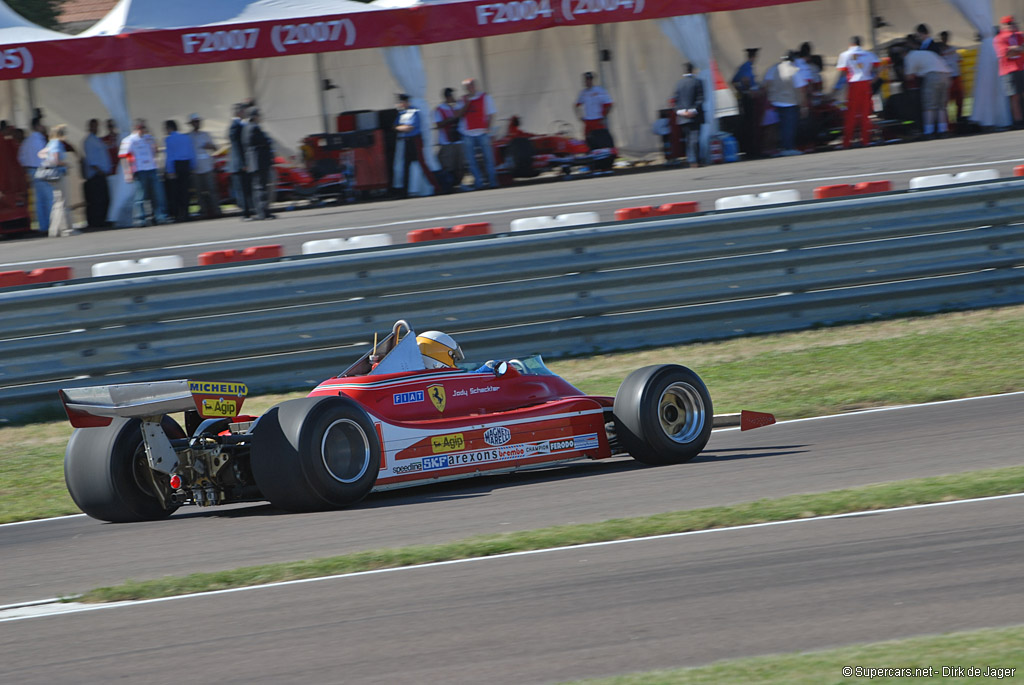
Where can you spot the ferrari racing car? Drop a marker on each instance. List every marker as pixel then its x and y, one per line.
pixel 409 411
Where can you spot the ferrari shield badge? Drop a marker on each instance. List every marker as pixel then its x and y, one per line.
pixel 436 394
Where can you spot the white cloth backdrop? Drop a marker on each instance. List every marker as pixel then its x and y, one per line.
pixel 990 107
pixel 689 35
pixel 406 65
pixel 110 89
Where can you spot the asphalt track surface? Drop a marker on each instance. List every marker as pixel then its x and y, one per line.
pixel 565 614
pixel 898 163
pixel 64 556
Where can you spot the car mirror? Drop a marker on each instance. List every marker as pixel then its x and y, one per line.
pixel 500 369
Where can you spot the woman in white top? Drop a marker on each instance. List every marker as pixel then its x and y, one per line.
pixel 54 155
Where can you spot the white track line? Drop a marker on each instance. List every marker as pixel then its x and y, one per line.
pixel 523 210
pixel 75 608
pixel 731 428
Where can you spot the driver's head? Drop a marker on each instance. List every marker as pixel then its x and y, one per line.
pixel 439 350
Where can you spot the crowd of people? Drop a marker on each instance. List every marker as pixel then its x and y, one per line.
pixel 164 188
pixel 790 111
pixel 787 111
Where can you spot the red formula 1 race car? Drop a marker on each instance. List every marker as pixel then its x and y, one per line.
pixel 387 422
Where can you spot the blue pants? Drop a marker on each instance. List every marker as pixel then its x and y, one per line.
pixel 148 188
pixel 470 144
pixel 44 201
pixel 789 117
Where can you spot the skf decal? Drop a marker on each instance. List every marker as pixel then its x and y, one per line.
pixel 447 443
pixel 497 435
pixel 437 396
pixel 434 463
pixel 408 397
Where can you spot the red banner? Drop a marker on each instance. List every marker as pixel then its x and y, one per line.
pixel 434 23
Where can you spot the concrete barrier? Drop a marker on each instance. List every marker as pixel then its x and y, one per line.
pixel 935 180
pixel 247 255
pixel 771 197
pixel 50 274
pixel 355 242
pixel 131 266
pixel 421 235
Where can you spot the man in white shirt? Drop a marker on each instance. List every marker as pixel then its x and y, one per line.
pixel 202 169
pixel 138 157
pixel 475 118
pixel 934 74
pixel 28 157
pixel 592 107
pixel 858 66
pixel 787 93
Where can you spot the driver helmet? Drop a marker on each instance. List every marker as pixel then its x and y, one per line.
pixel 439 350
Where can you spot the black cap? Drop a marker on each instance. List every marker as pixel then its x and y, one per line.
pixel 402 97
pixel 752 52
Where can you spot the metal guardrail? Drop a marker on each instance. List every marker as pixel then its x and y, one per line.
pixel 288 323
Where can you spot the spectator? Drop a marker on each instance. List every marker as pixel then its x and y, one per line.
pixel 179 156
pixel 138 156
pixel 810 70
pixel 241 184
pixel 858 67
pixel 28 157
pixel 924 38
pixel 787 93
pixel 592 107
pixel 934 74
pixel 956 86
pixel 96 168
pixel 54 156
pixel 449 154
pixel 751 105
pixel 409 127
pixel 1009 44
pixel 259 160
pixel 475 118
pixel 113 142
pixel 688 99
pixel 203 180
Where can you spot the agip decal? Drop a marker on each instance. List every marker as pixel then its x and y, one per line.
pixel 447 443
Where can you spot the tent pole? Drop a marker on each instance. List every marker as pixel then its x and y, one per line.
pixel 30 87
pixel 482 61
pixel 250 78
pixel 871 24
pixel 321 94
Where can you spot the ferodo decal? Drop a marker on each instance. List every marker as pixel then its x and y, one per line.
pixel 498 435
pixel 447 443
pixel 437 396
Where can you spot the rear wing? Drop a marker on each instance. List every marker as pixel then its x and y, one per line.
pixel 97 405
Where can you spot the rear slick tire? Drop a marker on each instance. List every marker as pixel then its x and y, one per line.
pixel 663 414
pixel 315 454
pixel 108 474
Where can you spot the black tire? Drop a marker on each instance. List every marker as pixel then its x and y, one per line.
pixel 663 414
pixel 315 453
pixel 107 472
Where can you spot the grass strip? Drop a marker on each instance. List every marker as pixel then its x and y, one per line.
pixel 881 496
pixel 793 375
pixel 989 648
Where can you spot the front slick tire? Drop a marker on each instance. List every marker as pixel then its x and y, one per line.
pixel 315 453
pixel 108 474
pixel 663 414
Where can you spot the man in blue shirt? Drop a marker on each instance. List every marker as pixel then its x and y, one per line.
pixel 180 156
pixel 97 166
pixel 409 127
pixel 750 99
